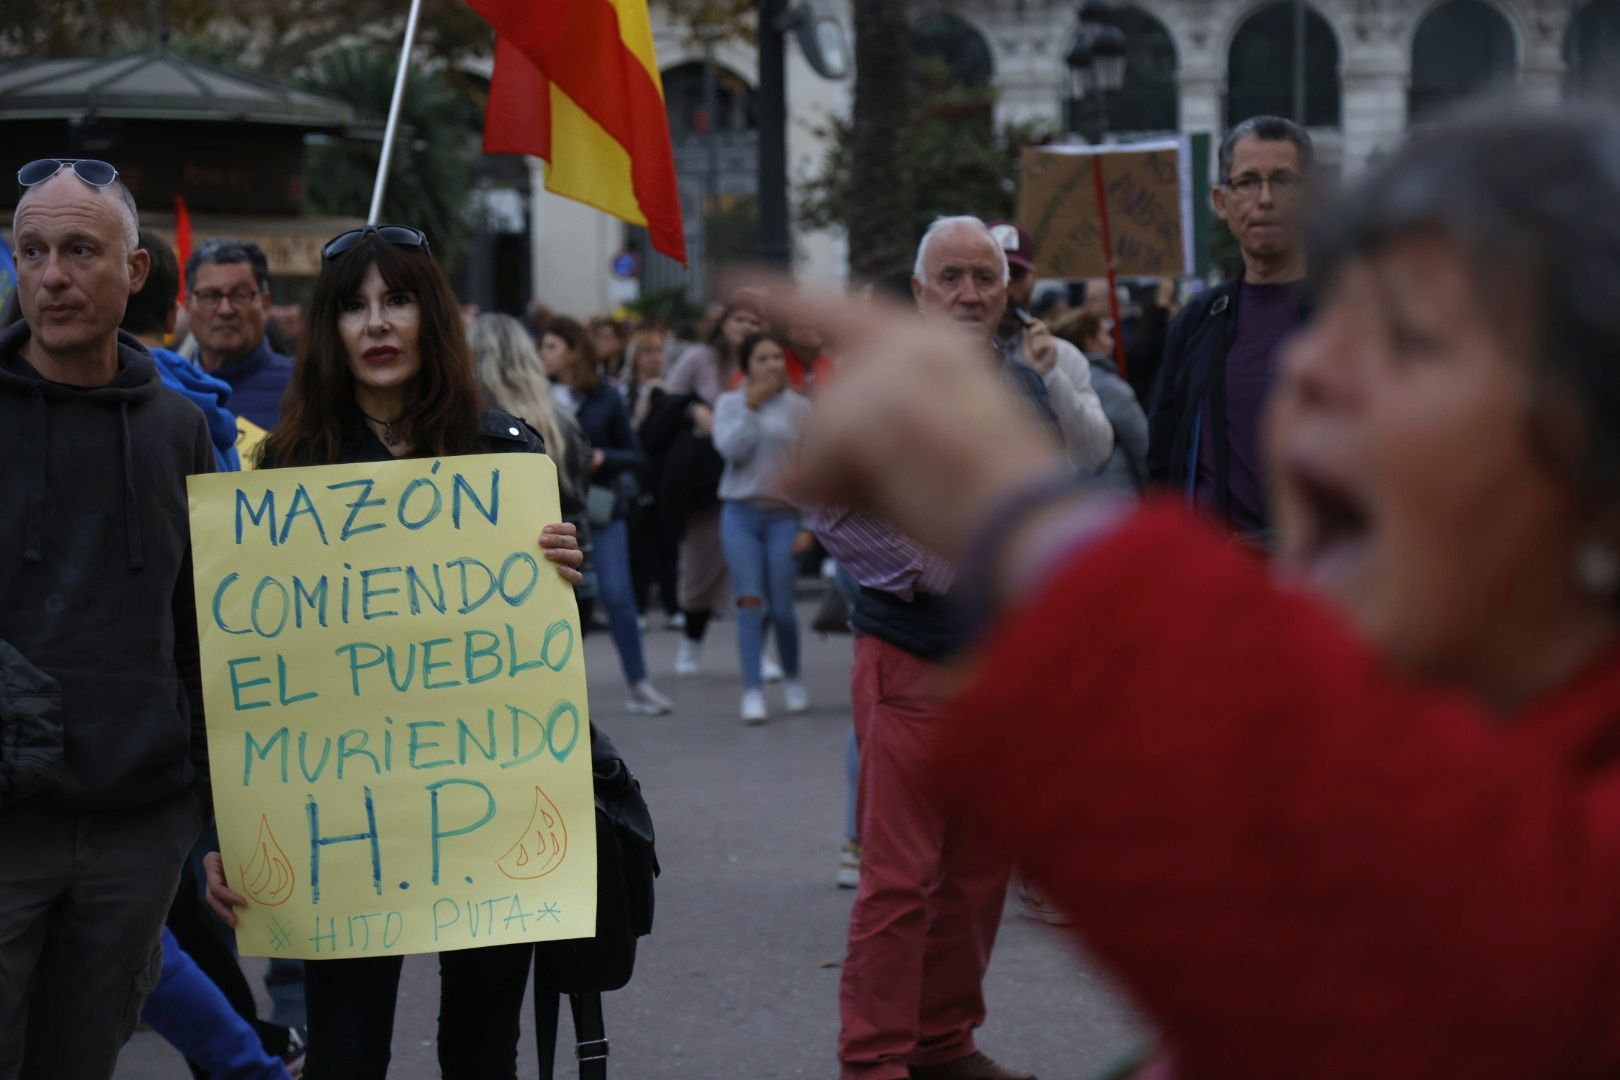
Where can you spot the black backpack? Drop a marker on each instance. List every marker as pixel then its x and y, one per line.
pixel 584 969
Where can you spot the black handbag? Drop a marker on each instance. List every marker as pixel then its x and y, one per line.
pixel 584 969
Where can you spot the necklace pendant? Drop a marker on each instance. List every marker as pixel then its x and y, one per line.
pixel 388 435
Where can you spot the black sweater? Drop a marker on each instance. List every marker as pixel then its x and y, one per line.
pixel 95 572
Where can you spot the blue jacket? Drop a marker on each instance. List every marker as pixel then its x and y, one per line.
pixel 257 383
pixel 209 394
pixel 606 424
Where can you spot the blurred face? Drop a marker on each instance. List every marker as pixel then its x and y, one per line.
pixel 1020 287
pixel 965 283
pixel 228 312
pixel 1102 342
pixel 1406 485
pixel 650 361
pixel 606 339
pixel 738 326
pixel 1262 200
pixel 557 355
pixel 767 361
pixel 74 274
pixel 1096 297
pixel 381 332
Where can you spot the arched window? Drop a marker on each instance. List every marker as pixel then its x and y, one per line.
pixel 734 108
pixel 1592 49
pixel 1461 47
pixel 951 40
pixel 1260 80
pixel 1149 100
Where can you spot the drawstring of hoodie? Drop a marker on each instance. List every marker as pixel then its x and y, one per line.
pixel 132 514
pixel 34 535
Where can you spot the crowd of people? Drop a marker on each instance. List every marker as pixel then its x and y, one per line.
pixel 1333 736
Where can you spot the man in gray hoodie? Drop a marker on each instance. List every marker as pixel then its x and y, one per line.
pixel 97 615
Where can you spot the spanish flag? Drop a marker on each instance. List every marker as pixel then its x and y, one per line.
pixel 576 83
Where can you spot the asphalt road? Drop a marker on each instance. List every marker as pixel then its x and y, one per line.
pixel 740 976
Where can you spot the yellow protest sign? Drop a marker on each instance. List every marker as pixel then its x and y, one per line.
pixel 395 692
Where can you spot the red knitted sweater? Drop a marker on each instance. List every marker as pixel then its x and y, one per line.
pixel 1301 865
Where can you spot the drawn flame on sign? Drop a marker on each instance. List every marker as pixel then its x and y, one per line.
pixel 268 876
pixel 542 845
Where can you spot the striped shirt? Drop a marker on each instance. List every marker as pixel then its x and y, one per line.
pixel 879 556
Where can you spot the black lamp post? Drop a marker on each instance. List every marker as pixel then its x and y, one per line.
pixel 1096 69
pixel 822 41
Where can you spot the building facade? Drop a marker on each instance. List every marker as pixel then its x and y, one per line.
pixel 1368 71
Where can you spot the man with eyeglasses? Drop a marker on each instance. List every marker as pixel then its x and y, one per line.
pixel 1220 354
pixel 103 754
pixel 228 303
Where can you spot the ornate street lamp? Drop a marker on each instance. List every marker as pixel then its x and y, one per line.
pixel 1096 65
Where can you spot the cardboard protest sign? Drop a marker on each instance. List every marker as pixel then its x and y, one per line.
pixel 1147 192
pixel 395 692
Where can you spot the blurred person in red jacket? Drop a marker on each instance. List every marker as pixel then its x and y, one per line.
pixel 1356 814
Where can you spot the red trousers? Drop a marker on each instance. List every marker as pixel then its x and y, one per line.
pixel 929 902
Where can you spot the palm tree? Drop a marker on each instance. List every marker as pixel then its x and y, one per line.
pixel 880 195
pixel 434 155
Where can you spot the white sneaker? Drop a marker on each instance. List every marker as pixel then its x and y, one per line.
pixel 686 658
pixel 645 700
pixel 676 621
pixel 770 670
pixel 796 697
pixel 753 707
pixel 849 865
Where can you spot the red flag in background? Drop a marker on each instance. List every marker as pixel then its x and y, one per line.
pixel 576 83
pixel 182 238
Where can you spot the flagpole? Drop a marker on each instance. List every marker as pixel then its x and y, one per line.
pixel 393 113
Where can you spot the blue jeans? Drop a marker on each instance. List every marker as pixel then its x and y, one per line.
pixel 759 553
pixel 191 1012
pixel 618 596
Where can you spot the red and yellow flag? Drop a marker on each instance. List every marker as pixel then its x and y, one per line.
pixel 576 83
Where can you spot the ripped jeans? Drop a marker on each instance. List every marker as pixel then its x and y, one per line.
pixel 758 543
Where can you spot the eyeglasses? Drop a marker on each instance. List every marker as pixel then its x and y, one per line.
pixel 398 235
pixel 1283 184
pixel 95 173
pixel 239 297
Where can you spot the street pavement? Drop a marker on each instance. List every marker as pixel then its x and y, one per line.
pixel 739 978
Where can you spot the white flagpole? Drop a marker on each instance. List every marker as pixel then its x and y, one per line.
pixel 393 113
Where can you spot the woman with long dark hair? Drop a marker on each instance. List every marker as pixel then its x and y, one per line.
pixel 383 372
pixel 570 360
pixel 755 429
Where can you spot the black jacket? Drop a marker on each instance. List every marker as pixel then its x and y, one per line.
pixel 1183 381
pixel 95 572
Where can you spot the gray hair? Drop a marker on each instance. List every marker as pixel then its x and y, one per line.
pixel 1541 235
pixel 123 202
pixel 947 224
pixel 223 251
pixel 1267 129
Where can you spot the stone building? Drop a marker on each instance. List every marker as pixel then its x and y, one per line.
pixel 1371 68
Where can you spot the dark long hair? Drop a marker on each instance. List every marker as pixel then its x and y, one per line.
pixel 442 417
pixel 583 373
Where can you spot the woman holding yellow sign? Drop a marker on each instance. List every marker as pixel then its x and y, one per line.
pixel 385 371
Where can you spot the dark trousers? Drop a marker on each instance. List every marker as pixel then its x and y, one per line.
pixel 653 559
pixel 82 900
pixel 351 1014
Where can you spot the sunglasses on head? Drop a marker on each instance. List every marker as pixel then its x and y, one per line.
pixel 95 173
pixel 398 235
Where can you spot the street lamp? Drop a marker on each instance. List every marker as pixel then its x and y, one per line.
pixel 821 38
pixel 1096 64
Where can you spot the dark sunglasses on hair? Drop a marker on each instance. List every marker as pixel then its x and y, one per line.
pixel 398 235
pixel 95 173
